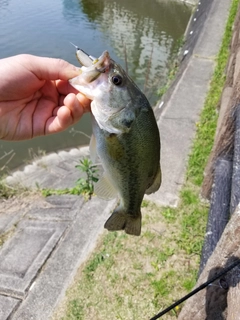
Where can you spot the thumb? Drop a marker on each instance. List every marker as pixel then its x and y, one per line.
pixel 51 68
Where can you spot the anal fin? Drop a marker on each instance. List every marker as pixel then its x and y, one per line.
pixel 104 189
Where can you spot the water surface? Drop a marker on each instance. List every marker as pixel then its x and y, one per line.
pixel 141 35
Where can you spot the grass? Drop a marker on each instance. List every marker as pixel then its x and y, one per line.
pixel 134 278
pixel 206 126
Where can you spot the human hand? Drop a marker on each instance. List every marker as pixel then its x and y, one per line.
pixel 36 98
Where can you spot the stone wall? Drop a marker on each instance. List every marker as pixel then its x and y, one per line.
pixel 230 99
pixel 220 300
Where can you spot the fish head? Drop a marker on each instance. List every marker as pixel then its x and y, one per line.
pixel 115 97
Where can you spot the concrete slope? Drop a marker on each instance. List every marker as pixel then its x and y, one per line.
pixel 177 120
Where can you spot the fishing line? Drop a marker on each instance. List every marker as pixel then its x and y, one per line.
pixel 201 287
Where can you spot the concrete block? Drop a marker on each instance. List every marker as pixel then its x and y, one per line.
pixel 23 255
pixel 46 180
pixel 64 155
pixel 52 214
pixel 81 238
pixel 57 171
pixel 52 177
pixel 28 180
pixel 51 158
pixel 67 166
pixel 14 179
pixel 30 168
pixel 7 306
pixel 7 220
pixel 84 151
pixel 69 181
pixel 78 152
pixel 65 200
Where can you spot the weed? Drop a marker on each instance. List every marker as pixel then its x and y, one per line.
pixel 7 191
pixel 35 155
pixel 84 186
pixel 46 192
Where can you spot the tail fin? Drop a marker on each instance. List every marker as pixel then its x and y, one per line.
pixel 120 220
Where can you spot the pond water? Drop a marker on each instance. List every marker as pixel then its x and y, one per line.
pixel 143 36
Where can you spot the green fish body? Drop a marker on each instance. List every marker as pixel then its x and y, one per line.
pixel 126 139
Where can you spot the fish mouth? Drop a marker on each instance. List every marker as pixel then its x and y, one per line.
pixel 89 74
pixel 102 70
pixel 86 60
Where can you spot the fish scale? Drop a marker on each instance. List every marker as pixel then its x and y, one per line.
pixel 127 139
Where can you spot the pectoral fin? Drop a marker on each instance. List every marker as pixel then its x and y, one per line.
pixel 104 188
pixel 156 183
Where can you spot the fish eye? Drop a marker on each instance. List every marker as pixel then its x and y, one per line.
pixel 117 79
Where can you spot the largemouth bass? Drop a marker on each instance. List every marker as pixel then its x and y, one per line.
pixel 125 137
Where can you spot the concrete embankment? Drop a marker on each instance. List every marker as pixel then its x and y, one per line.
pixel 179 110
pixel 48 239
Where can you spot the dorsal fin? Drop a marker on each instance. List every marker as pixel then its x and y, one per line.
pixel 156 183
